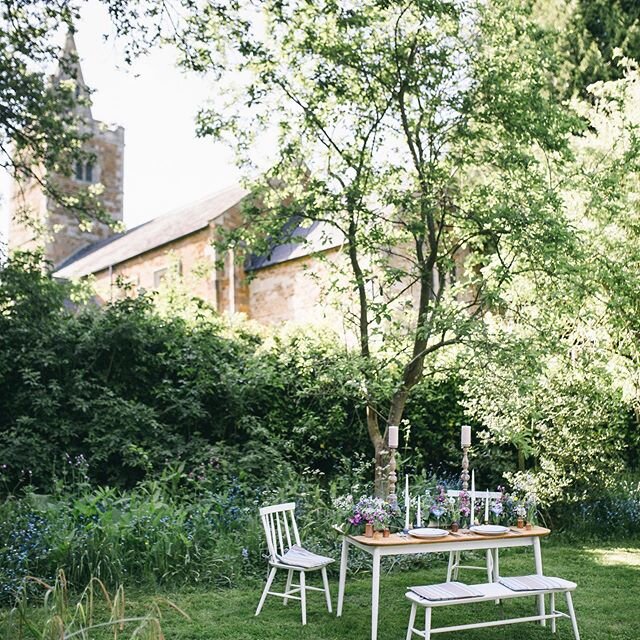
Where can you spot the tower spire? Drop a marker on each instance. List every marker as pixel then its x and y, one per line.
pixel 70 68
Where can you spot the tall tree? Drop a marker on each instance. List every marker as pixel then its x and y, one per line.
pixel 425 134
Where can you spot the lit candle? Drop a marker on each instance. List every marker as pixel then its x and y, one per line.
pixel 406 502
pixel 465 436
pixel 419 514
pixel 473 496
pixel 393 436
pixel 486 507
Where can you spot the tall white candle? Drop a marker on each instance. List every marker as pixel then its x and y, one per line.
pixel 406 501
pixel 465 436
pixel 486 507
pixel 473 496
pixel 393 436
pixel 419 514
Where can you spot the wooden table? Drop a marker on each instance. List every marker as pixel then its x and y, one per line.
pixel 397 545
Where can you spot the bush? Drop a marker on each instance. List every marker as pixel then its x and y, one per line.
pixel 128 389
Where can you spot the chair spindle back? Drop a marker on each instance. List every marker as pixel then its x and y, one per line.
pixel 280 527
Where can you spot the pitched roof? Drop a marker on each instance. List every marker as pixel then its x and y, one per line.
pixel 149 235
pixel 317 237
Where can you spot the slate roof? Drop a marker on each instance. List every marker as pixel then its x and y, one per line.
pixel 149 235
pixel 317 237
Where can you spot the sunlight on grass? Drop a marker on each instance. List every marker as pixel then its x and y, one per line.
pixel 616 557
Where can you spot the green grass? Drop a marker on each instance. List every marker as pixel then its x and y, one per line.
pixel 606 603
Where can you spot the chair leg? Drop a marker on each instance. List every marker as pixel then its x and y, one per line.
pixel 412 620
pixel 267 586
pixel 450 565
pixel 288 587
pixel 456 566
pixel 303 597
pixel 489 566
pixel 327 594
pixel 427 623
pixel 572 615
pixel 552 605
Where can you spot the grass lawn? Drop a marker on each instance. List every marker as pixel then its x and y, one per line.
pixel 607 603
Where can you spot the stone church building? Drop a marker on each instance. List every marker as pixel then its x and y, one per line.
pixel 280 289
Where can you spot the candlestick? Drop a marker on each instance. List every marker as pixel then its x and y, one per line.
pixel 486 508
pixel 465 436
pixel 406 502
pixel 419 514
pixel 464 476
pixel 473 497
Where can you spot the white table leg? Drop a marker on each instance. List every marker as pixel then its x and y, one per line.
pixel 344 557
pixel 572 615
pixel 375 593
pixel 537 557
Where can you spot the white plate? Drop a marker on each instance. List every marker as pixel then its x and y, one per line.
pixel 428 533
pixel 489 529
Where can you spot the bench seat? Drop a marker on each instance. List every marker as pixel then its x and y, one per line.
pixel 487 592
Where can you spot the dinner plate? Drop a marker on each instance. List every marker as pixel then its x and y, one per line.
pixel 428 533
pixel 489 529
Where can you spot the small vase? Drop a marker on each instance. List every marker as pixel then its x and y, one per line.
pixel 520 524
pixel 377 534
pixel 386 533
pixel 528 526
pixel 454 527
pixel 368 530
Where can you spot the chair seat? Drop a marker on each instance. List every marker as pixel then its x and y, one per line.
pixel 300 557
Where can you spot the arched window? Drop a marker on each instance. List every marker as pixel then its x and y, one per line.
pixel 84 171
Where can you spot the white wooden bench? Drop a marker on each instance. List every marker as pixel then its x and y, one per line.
pixel 486 592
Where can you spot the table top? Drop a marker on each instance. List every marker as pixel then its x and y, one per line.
pixel 462 536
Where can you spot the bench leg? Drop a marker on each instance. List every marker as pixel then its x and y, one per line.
pixel 552 606
pixel 427 623
pixel 412 620
pixel 572 615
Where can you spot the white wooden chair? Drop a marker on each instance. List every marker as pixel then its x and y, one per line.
pixel 492 566
pixel 286 552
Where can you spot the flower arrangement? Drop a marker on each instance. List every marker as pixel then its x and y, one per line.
pixel 497 509
pixel 440 506
pixel 373 511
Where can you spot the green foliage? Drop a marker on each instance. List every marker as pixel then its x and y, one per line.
pixel 126 390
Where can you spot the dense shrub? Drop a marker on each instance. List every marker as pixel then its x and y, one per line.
pixel 130 389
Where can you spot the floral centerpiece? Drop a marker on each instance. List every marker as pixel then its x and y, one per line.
pixel 370 514
pixel 498 512
pixel 440 510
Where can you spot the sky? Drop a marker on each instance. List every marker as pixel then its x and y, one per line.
pixel 166 166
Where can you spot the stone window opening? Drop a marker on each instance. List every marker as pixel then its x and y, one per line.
pixel 84 171
pixel 158 276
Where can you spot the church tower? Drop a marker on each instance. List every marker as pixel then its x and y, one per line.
pixel 62 236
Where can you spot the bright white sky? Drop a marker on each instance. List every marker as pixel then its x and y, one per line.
pixel 166 166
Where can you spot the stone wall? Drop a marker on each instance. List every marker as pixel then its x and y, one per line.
pixel 289 292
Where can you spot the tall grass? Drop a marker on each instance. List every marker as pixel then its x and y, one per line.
pixel 95 610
